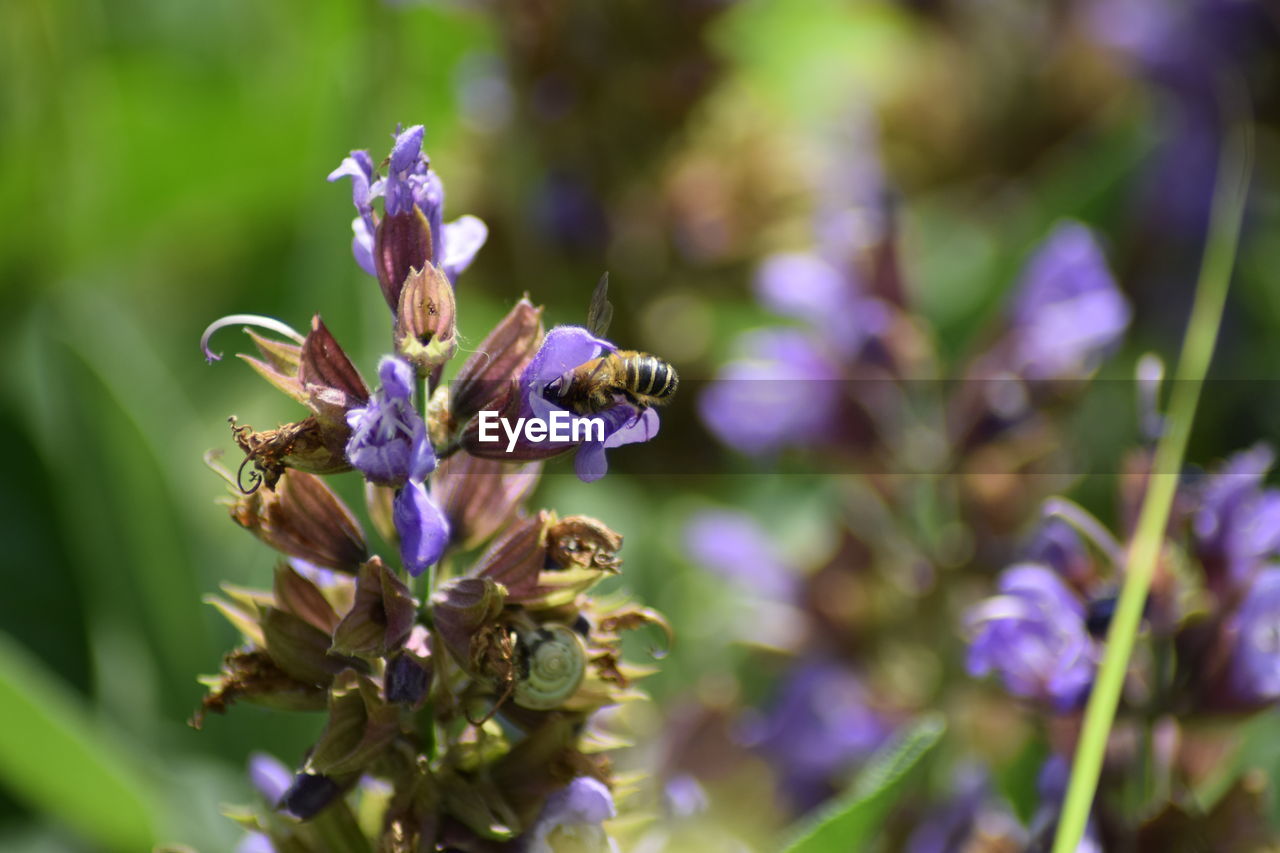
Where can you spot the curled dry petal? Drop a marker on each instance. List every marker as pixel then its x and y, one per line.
pixel 381 615
pixel 303 518
pixel 489 375
pixel 578 540
pixel 426 319
pixel 307 445
pixel 252 676
pixel 481 496
pixel 462 607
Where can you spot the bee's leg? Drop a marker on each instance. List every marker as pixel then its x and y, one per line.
pixel 635 403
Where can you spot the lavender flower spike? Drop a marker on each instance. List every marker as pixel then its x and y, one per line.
pixel 573 819
pixel 388 441
pixel 1034 635
pixel 409 184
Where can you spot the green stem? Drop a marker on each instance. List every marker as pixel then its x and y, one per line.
pixel 1197 349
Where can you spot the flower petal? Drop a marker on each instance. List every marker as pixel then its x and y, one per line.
pixel 463 238
pixel 423 529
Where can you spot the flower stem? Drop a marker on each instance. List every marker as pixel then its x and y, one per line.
pixel 1197 350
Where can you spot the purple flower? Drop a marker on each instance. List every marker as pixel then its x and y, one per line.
pixel 819 728
pixel 806 286
pixel 270 776
pixel 572 819
pixel 388 441
pixel 1051 783
pixel 1237 523
pixel 734 546
pixel 1034 635
pixel 564 349
pixel 971 809
pixel 1056 544
pixel 255 842
pixel 409 183
pixel 782 393
pixel 683 796
pixel 1068 312
pixel 1255 629
pixel 422 526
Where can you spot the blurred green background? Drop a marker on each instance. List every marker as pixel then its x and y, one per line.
pixel 163 163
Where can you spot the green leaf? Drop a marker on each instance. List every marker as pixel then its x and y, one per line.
pixel 57 761
pixel 851 822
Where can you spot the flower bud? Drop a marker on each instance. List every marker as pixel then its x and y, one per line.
pixel 426 320
pixel 489 375
pixel 481 496
pixel 381 615
pixel 303 518
pixel 403 242
pixel 309 794
pixel 409 672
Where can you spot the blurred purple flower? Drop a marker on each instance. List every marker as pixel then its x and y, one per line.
pixel 1056 544
pixel 820 726
pixel 734 546
pixel 1034 635
pixel 564 349
pixel 1237 523
pixel 270 776
pixel 388 441
pixel 808 287
pixel 410 183
pixel 1068 312
pixel 971 810
pixel 255 842
pixel 1255 628
pixel 683 796
pixel 1051 783
pixel 783 392
pixel 573 820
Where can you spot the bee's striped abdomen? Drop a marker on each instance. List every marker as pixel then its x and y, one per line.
pixel 654 377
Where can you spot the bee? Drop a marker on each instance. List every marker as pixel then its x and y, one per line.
pixel 643 380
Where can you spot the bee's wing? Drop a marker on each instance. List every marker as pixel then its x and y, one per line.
pixel 600 313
